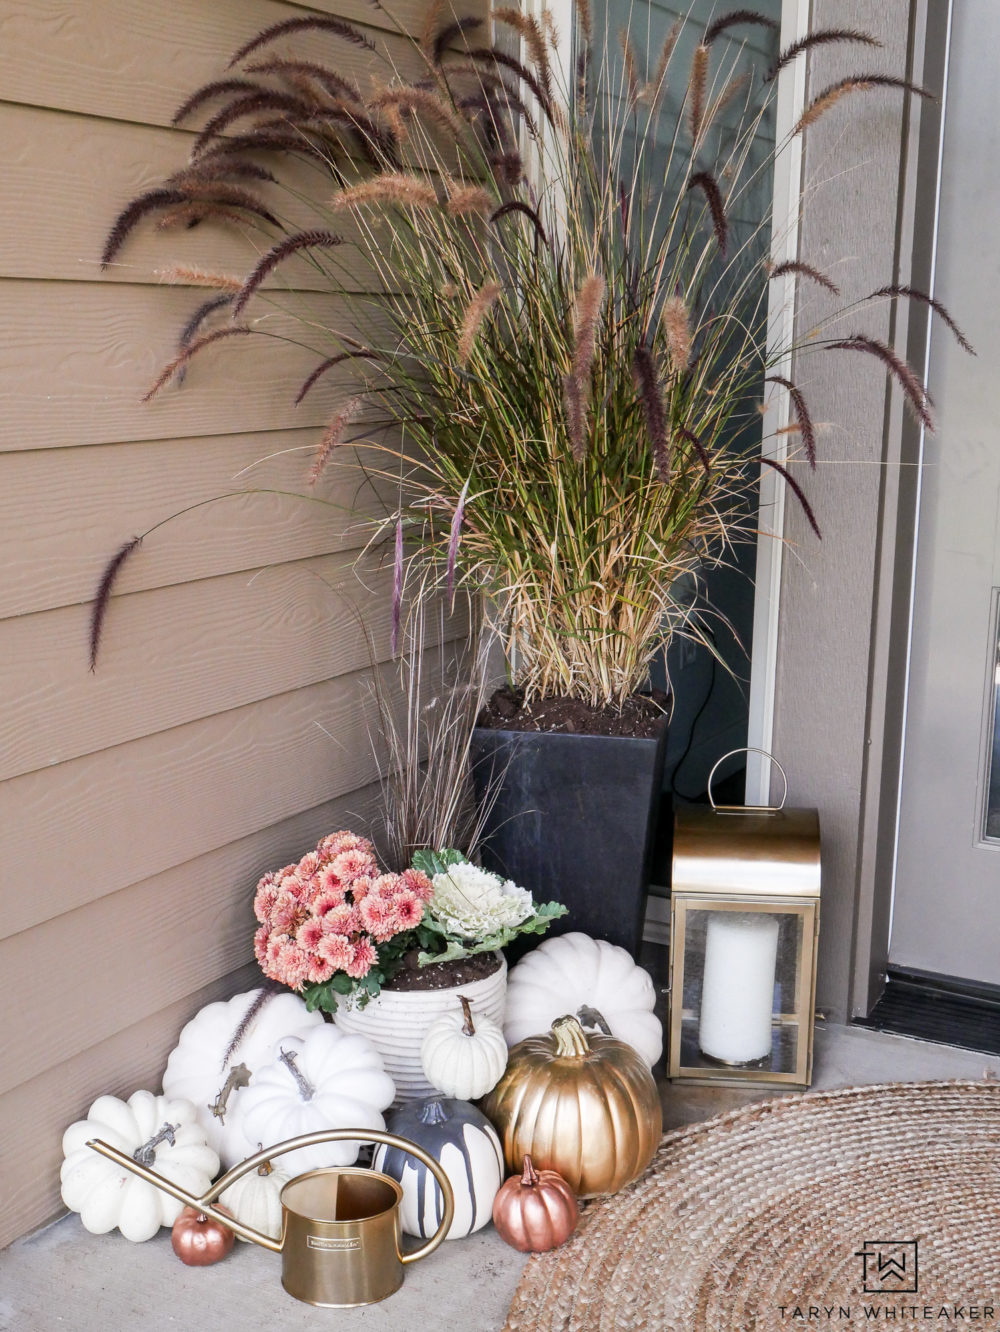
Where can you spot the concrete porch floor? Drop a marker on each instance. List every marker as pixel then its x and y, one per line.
pixel 63 1278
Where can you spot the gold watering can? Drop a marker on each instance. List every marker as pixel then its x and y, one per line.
pixel 340 1231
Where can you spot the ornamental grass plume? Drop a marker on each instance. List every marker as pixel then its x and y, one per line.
pixel 562 334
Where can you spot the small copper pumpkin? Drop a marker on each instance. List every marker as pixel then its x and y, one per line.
pixel 198 1239
pixel 586 1107
pixel 536 1212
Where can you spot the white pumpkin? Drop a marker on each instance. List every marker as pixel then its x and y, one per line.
pixel 591 979
pixel 218 1052
pixel 323 1080
pixel 162 1134
pixel 462 1056
pixel 255 1199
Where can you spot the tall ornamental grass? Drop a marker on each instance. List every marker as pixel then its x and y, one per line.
pixel 562 326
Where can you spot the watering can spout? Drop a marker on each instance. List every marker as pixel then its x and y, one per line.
pixel 204 1203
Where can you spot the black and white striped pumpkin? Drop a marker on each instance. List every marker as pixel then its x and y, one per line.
pixel 466 1144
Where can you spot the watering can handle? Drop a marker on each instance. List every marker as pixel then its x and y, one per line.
pixel 204 1203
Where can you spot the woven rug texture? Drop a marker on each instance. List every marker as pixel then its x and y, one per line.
pixel 820 1210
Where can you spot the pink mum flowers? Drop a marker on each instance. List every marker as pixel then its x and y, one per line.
pixel 328 913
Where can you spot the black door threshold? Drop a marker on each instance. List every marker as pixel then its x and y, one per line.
pixel 938 1008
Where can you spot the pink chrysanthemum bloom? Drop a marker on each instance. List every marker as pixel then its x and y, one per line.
pixel 352 864
pixel 294 964
pixel 328 881
pixel 274 946
pixel 378 917
pixel 407 910
pixel 325 902
pixel 336 951
pixel 344 840
pixel 320 972
pixel 361 887
pixel 288 914
pixel 292 886
pixel 260 939
pixel 365 957
pixel 387 886
pixel 263 902
pixel 308 865
pixel 418 882
pixel 309 934
pixel 342 919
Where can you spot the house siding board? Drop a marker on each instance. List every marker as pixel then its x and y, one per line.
pixel 225 728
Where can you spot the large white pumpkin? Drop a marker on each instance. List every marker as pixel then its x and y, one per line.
pixel 324 1080
pixel 219 1051
pixel 162 1134
pixel 574 973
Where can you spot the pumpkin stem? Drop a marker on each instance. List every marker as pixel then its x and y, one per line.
pixel 433 1112
pixel 593 1017
pixel 306 1090
pixel 468 1027
pixel 239 1076
pixel 146 1154
pixel 571 1040
pixel 530 1176
pixel 265 1168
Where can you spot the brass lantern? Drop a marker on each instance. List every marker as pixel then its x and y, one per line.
pixel 744 926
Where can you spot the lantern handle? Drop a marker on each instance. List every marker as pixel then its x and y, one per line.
pixel 748 809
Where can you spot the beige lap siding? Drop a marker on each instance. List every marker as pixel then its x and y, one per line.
pixel 139 805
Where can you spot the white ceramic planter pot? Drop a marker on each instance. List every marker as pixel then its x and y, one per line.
pixel 397 1021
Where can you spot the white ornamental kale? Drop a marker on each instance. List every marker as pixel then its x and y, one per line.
pixel 473 903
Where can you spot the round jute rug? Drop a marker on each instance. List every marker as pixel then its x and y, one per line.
pixel 780 1215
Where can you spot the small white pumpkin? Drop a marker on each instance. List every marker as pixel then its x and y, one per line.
pixel 323 1080
pixel 462 1057
pixel 218 1052
pixel 591 979
pixel 161 1134
pixel 255 1199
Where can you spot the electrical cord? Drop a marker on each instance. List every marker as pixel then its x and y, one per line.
pixel 674 791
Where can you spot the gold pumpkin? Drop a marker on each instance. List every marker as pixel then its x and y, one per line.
pixel 586 1107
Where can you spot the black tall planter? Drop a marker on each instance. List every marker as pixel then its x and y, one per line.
pixel 574 821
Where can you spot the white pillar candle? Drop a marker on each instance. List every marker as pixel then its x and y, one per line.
pixel 737 991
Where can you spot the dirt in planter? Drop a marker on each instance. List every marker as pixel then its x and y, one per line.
pixel 640 716
pixel 443 975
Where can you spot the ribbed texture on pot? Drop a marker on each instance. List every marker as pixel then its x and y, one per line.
pixel 771 1205
pixel 397 1022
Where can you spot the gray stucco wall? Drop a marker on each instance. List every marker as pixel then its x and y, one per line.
pixel 831 668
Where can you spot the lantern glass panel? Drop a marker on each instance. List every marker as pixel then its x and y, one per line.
pixel 744 985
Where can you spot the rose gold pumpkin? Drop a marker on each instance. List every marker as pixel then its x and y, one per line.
pixel 586 1107
pixel 199 1240
pixel 536 1212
